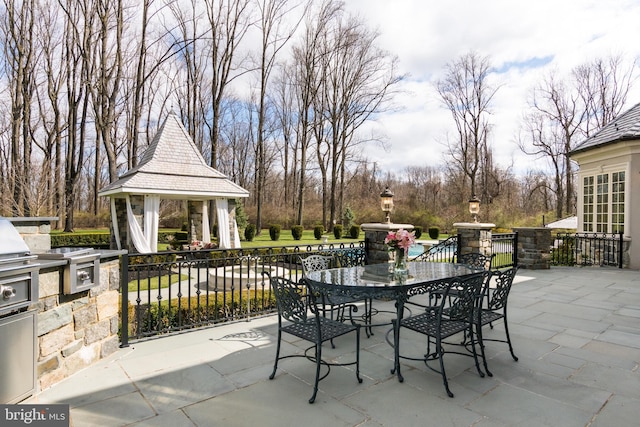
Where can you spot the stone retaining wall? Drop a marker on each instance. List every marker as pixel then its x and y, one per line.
pixel 533 247
pixel 75 331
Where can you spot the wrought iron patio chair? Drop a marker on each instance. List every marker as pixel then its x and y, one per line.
pixel 497 291
pixel 338 304
pixel 294 304
pixel 473 260
pixel 476 259
pixel 453 315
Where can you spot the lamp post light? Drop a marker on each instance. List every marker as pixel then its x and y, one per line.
pixel 386 203
pixel 474 207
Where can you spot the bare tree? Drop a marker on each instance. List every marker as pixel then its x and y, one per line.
pixel 275 33
pixel 79 68
pixel 603 85
pixel 307 57
pixel 283 101
pixel 556 117
pixel 359 80
pixel 229 21
pixel 105 91
pixel 18 44
pixel 466 92
pixel 51 106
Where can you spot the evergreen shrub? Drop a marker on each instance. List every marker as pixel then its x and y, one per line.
pixel 274 232
pixel 250 232
pixel 296 232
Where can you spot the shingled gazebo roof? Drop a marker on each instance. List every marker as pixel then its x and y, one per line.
pixel 173 167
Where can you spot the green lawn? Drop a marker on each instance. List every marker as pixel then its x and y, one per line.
pixel 153 283
pixel 286 239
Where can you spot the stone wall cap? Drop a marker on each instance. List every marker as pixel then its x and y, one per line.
pixel 383 226
pixel 32 219
pixel 531 228
pixel 473 225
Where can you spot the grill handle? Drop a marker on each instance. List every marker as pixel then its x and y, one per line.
pixel 7 292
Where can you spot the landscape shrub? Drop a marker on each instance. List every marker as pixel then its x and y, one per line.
pixel 296 232
pixel 318 231
pixel 92 240
pixel 434 232
pixel 274 232
pixel 200 310
pixel 250 232
pixel 418 231
pixel 354 231
pixel 337 231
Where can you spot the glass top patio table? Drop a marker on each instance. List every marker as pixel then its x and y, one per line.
pixel 379 281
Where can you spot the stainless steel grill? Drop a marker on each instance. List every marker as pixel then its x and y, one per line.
pixel 18 323
pixel 82 270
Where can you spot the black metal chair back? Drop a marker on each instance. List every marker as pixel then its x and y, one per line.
pixel 342 306
pixel 476 259
pixel 292 300
pixel 295 300
pixel 315 263
pixel 454 313
pixel 497 296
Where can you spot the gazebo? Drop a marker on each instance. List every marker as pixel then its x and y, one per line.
pixel 171 168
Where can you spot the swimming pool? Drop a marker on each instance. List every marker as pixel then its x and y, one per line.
pixel 416 250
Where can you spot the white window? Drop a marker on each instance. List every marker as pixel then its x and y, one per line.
pixel 587 204
pixel 603 201
pixel 617 202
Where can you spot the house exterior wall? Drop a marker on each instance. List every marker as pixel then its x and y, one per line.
pixel 620 156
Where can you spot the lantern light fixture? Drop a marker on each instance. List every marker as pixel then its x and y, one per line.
pixel 386 203
pixel 474 207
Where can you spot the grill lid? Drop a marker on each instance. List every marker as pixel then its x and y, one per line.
pixel 11 243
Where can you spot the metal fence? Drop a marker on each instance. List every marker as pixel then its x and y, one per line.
pixel 588 249
pixel 505 248
pixel 167 292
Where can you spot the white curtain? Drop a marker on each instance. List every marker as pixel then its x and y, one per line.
pixel 147 241
pixel 114 222
pixel 151 220
pixel 206 233
pixel 222 211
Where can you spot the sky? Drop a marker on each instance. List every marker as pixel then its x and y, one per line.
pixel 523 41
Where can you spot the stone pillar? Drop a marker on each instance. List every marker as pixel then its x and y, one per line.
pixel 374 235
pixel 34 231
pixel 475 237
pixel 123 226
pixel 534 245
pixel 194 209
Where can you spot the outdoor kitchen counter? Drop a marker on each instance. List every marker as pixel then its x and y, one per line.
pixel 105 255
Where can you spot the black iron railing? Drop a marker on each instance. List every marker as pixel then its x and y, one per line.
pixel 167 292
pixel 505 248
pixel 588 249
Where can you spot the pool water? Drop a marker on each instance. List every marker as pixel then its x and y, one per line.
pixel 416 250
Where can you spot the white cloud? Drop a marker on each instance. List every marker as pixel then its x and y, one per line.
pixel 524 40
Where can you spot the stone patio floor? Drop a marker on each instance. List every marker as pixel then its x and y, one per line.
pixel 576 332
